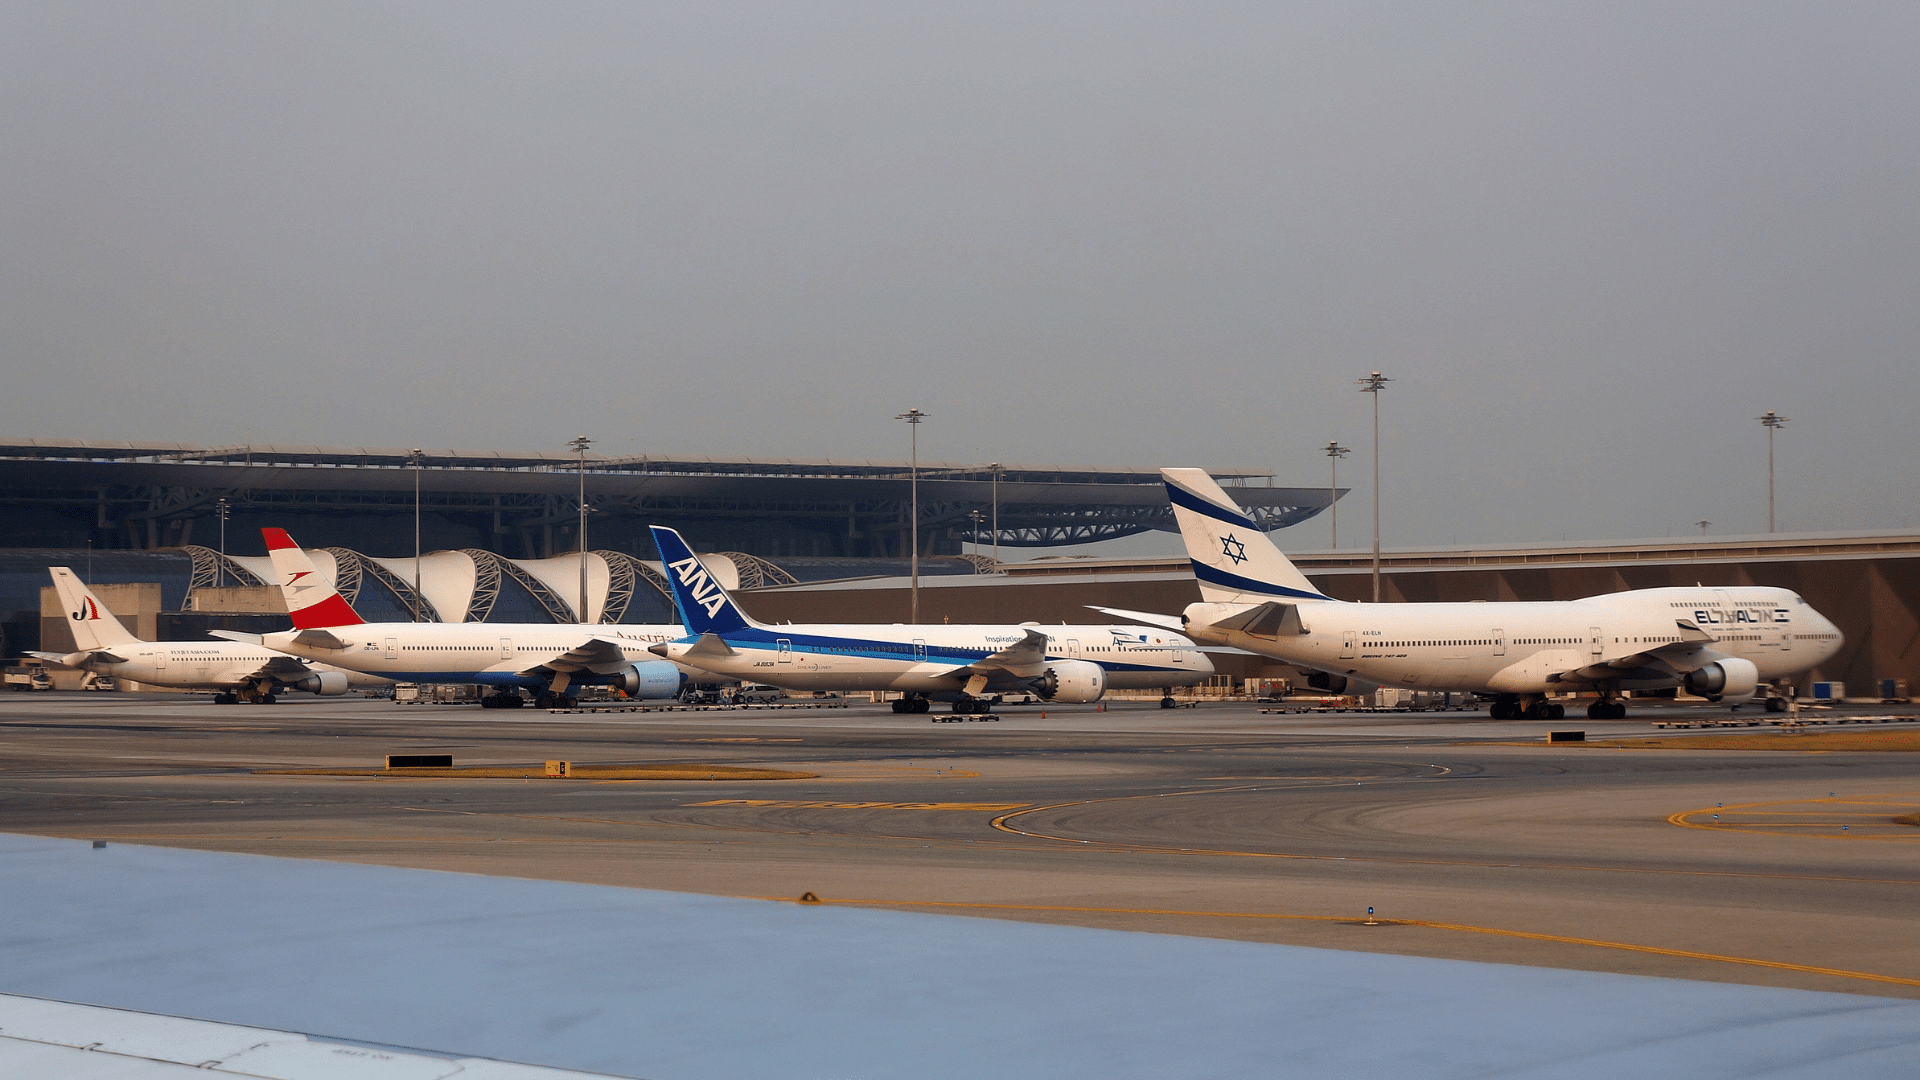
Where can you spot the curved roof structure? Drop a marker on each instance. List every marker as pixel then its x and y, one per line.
pixel 147 495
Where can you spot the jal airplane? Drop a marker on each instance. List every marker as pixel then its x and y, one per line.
pixel 1720 643
pixel 545 658
pixel 247 673
pixel 957 663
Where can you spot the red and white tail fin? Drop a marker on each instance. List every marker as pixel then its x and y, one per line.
pixel 311 599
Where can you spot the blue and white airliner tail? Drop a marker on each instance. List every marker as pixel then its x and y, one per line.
pixel 1232 558
pixel 705 607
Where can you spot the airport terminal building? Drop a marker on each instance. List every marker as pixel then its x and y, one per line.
pixel 800 540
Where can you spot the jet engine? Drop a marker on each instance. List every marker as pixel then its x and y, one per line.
pixel 650 680
pixel 324 683
pixel 1076 681
pixel 1729 678
pixel 1328 682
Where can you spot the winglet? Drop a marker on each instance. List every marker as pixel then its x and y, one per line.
pixel 1233 559
pixel 312 602
pixel 705 607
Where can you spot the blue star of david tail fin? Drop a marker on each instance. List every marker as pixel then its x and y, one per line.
pixel 705 607
pixel 1232 557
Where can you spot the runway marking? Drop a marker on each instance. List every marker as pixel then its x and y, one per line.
pixel 1002 823
pixel 785 804
pixel 1656 950
pixel 1749 819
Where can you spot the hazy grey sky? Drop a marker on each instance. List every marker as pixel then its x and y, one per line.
pixel 1590 242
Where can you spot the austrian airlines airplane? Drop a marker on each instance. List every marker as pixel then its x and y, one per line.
pixel 247 673
pixel 546 658
pixel 957 663
pixel 1721 643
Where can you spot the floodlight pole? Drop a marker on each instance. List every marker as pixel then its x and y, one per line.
pixel 913 417
pixel 416 456
pixel 1772 423
pixel 1334 453
pixel 1703 526
pixel 997 470
pixel 1373 384
pixel 220 569
pixel 580 444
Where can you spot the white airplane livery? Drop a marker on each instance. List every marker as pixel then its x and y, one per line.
pixel 238 672
pixel 1721 643
pixel 958 663
pixel 545 658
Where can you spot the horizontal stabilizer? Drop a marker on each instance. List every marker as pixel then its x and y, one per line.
pixel 1170 622
pixel 1268 620
pixel 1690 632
pixel 318 639
pixel 240 636
pixel 711 645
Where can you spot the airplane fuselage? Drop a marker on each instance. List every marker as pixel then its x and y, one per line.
pixel 921 659
pixel 198 665
pixel 1522 648
pixel 493 654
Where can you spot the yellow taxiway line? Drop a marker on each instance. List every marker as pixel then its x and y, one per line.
pixel 1655 950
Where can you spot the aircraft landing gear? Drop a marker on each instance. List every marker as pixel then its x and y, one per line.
pixel 548 700
pixel 504 699
pixel 1607 709
pixel 226 699
pixel 915 703
pixel 972 705
pixel 1505 707
pixel 1775 704
pixel 1542 709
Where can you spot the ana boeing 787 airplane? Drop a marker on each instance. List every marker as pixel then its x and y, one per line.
pixel 239 672
pixel 546 658
pixel 957 663
pixel 1721 643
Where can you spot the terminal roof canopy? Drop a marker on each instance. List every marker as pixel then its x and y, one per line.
pixel 160 485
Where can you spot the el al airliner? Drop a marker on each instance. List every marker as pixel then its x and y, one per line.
pixel 957 663
pixel 1721 643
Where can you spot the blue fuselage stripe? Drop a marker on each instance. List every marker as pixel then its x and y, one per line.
pixel 1213 576
pixel 1182 497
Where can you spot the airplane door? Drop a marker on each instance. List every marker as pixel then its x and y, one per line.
pixel 1595 649
pixel 506 648
pixel 1499 642
pixel 393 649
pixel 1347 640
pixel 919 648
pixel 1073 647
pixel 785 650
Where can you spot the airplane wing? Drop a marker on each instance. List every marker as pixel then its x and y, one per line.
pixel 1170 622
pixel 1026 658
pixel 1690 653
pixel 239 636
pixel 281 667
pixel 597 655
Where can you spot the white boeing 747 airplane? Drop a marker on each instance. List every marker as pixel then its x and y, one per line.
pixel 238 672
pixel 957 663
pixel 546 658
pixel 1721 643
